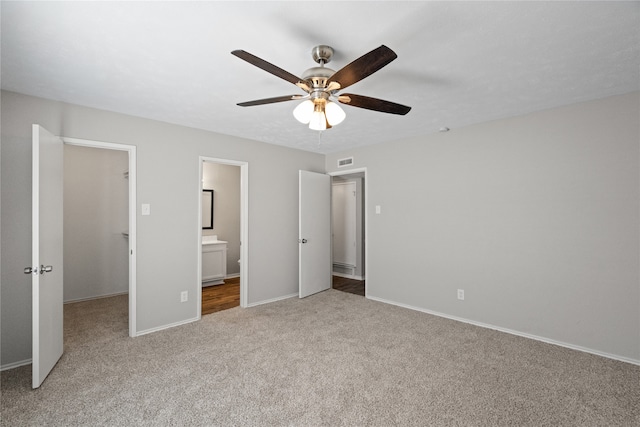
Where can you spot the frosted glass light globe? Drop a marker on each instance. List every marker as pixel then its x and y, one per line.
pixel 335 114
pixel 303 111
pixel 318 121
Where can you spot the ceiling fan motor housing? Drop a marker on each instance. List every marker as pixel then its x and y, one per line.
pixel 318 76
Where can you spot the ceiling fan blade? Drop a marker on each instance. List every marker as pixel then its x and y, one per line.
pixel 374 104
pixel 268 67
pixel 271 100
pixel 362 67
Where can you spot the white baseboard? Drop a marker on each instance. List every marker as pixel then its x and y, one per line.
pixel 95 297
pixel 232 276
pixel 253 304
pixel 15 365
pixel 512 332
pixel 348 276
pixel 171 325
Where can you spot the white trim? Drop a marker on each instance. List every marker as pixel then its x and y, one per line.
pixel 268 301
pixel 71 301
pixel 133 250
pixel 97 144
pixel 15 364
pixel 244 229
pixel 170 325
pixel 366 219
pixel 348 276
pixel 198 292
pixel 511 331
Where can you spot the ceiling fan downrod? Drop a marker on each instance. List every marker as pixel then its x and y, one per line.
pixel 318 76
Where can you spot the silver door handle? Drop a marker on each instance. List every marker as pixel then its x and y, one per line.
pixel 47 269
pixel 302 240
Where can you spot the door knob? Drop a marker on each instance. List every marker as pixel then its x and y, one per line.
pixel 29 270
pixel 47 269
pixel 302 240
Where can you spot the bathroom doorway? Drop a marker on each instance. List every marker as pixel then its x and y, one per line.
pixel 222 220
pixel 348 225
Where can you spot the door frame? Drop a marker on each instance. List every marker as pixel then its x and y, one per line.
pixel 131 150
pixel 365 235
pixel 244 228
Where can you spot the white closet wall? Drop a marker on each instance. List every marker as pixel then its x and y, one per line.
pixel 96 205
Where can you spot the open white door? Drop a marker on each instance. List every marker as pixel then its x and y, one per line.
pixel 46 264
pixel 314 233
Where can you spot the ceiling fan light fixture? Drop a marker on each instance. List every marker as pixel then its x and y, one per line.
pixel 322 83
pixel 304 111
pixel 335 114
pixel 318 121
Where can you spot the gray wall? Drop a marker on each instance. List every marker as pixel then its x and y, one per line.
pixel 535 217
pixel 96 213
pixel 225 181
pixel 168 180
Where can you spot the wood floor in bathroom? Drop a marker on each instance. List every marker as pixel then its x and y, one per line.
pixel 221 297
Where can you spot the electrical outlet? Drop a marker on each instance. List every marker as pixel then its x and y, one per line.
pixel 461 294
pixel 184 296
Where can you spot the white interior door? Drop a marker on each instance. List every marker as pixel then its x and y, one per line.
pixel 46 265
pixel 314 233
pixel 343 213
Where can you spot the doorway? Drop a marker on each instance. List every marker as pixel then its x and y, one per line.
pixel 349 225
pixel 123 236
pixel 222 255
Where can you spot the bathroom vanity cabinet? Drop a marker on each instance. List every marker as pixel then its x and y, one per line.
pixel 214 262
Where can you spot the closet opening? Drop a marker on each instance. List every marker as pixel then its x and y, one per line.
pixel 99 231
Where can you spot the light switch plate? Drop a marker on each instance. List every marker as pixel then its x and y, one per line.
pixel 146 209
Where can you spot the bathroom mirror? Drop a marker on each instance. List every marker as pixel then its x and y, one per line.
pixel 207 209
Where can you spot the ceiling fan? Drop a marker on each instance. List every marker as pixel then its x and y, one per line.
pixel 321 84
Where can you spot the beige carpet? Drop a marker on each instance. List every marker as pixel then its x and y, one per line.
pixel 331 359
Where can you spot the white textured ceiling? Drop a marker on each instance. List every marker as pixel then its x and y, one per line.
pixel 458 63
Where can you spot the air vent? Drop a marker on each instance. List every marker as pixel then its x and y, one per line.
pixel 345 162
